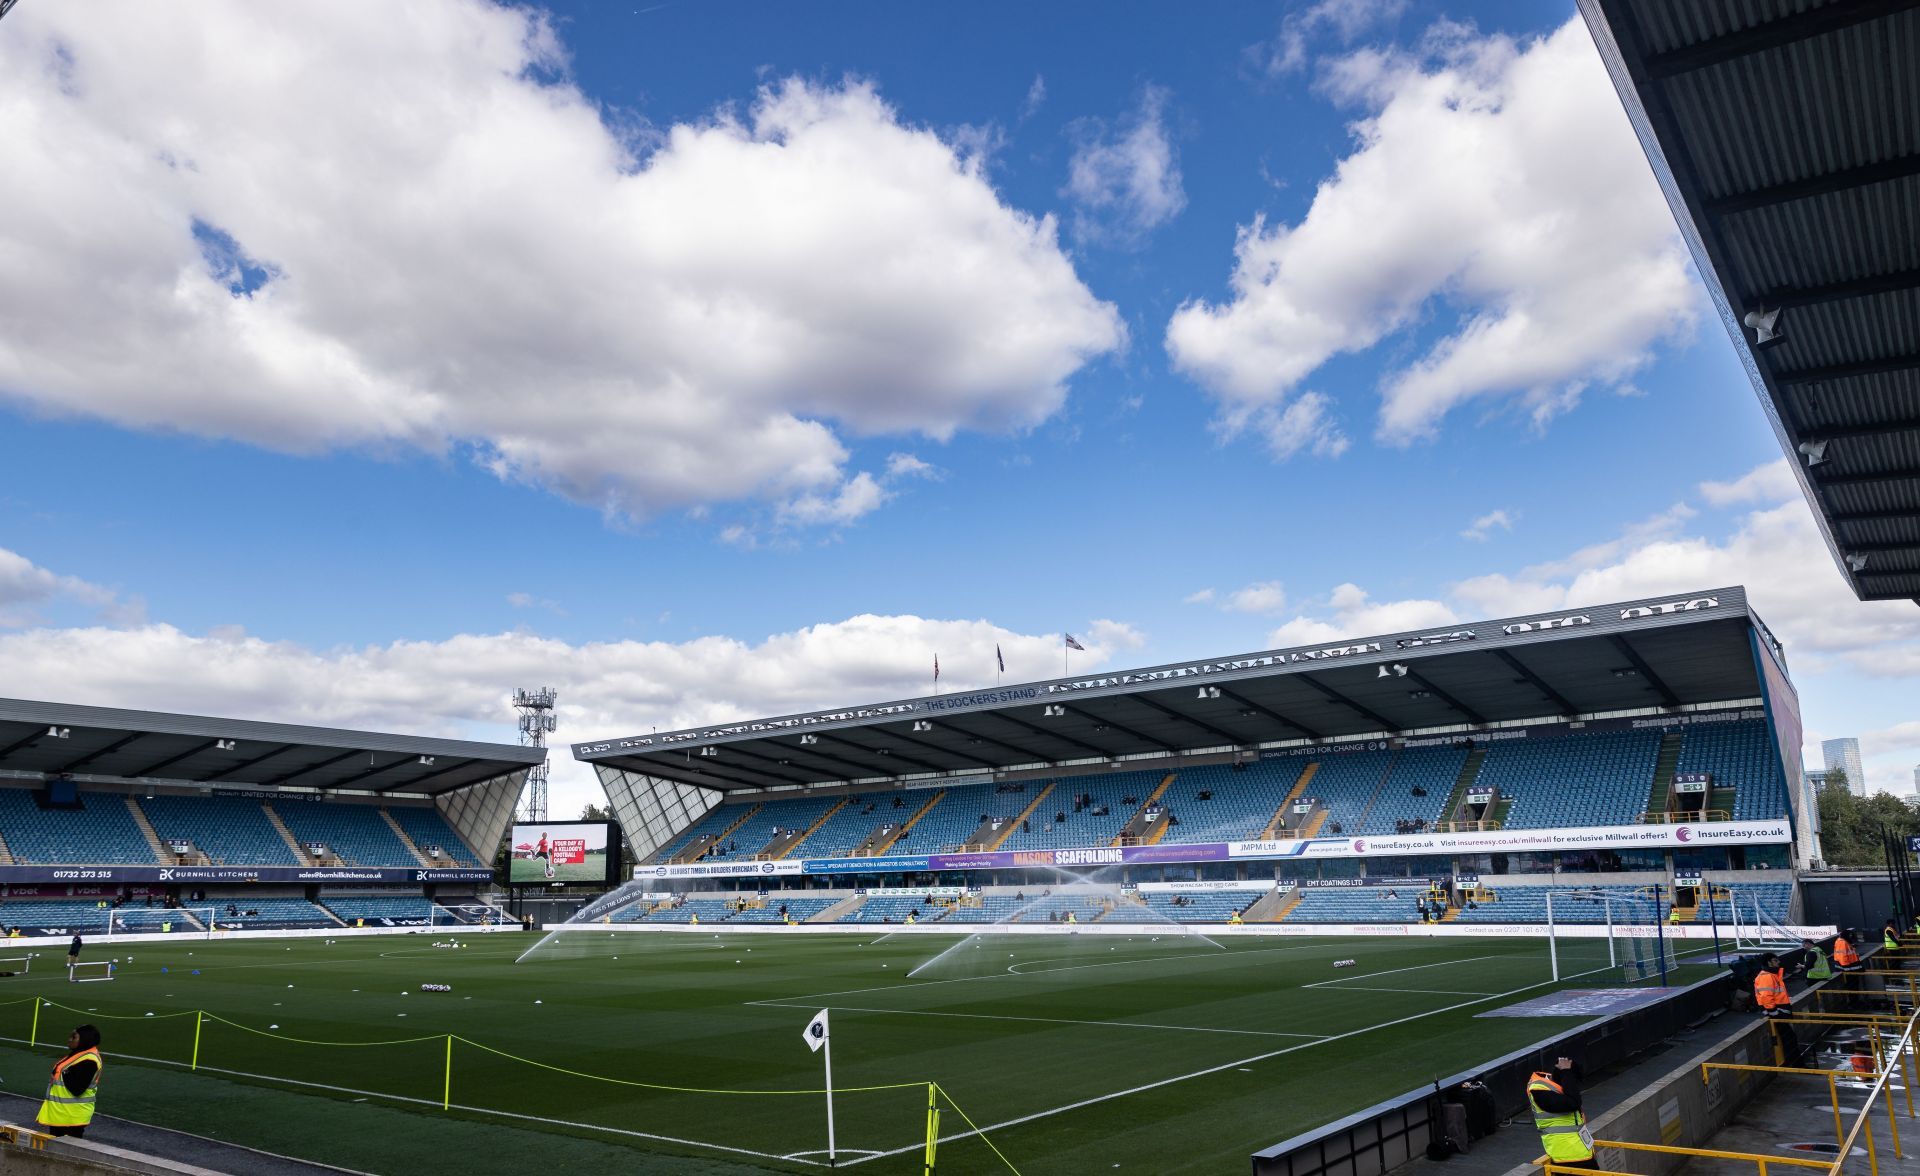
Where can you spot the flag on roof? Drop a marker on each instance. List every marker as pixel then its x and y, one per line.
pixel 1001 658
pixel 1074 644
pixel 936 667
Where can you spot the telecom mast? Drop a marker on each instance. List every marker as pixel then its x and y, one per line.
pixel 536 723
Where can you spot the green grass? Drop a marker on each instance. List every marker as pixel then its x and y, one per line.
pixel 1034 1037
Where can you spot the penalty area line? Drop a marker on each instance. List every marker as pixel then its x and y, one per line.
pixel 1347 981
pixel 1049 1020
pixel 1239 1063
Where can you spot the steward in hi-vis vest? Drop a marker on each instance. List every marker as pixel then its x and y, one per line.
pixel 1890 936
pixel 74 1086
pixel 1844 957
pixel 1770 993
pixel 1554 1094
pixel 1816 961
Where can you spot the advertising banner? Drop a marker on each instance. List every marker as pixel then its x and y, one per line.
pixel 1178 887
pixel 869 865
pixel 719 870
pixel 1524 840
pixel 379 875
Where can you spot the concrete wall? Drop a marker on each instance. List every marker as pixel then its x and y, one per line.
pixel 1678 1109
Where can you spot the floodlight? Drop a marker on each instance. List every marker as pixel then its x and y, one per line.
pixel 59 732
pixel 709 751
pixel 1766 326
pixel 1209 692
pixel 1395 670
pixel 1051 711
pixel 426 761
pixel 922 725
pixel 1856 562
pixel 225 744
pixel 807 739
pixel 1814 451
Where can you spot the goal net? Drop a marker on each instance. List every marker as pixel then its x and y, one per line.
pixel 477 916
pixel 1607 933
pixel 196 921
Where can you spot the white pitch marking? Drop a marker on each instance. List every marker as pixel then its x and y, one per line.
pixel 1342 981
pixel 1415 991
pixel 1241 1062
pixel 1048 1020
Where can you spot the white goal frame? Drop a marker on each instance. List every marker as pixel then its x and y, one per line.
pixel 152 917
pixel 75 976
pixel 1662 960
pixel 491 918
pixel 25 962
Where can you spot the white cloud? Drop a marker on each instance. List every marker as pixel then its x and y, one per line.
pixel 1036 98
pixel 1203 596
pixel 906 465
pixel 1769 483
pixel 704 312
pixel 460 686
pixel 1482 528
pixel 1303 424
pixel 1125 181
pixel 1345 20
pixel 1264 597
pixel 1497 189
pixel 1349 612
pixel 854 497
pixel 27 590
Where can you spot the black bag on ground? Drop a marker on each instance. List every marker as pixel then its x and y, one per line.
pixel 1483 1112
pixel 1453 1126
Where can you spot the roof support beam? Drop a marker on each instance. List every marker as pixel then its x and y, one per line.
pixel 1386 724
pixel 439 772
pixel 844 764
pixel 1099 720
pixel 1894 545
pixel 1189 720
pixel 10 748
pixel 781 776
pixel 972 734
pixel 1790 296
pixel 885 753
pixel 1537 682
pixel 939 750
pixel 1458 706
pixel 1268 711
pixel 171 760
pixel 1865 479
pixel 325 763
pixel 1872 429
pixel 695 771
pixel 1844 371
pixel 1846 179
pixel 243 765
pixel 109 749
pixel 1773 34
pixel 1870 516
pixel 1102 752
pixel 1667 696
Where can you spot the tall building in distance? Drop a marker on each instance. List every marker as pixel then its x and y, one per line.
pixel 1844 754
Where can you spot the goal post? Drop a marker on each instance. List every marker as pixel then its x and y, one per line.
pixel 477 916
pixel 1593 931
pixel 161 920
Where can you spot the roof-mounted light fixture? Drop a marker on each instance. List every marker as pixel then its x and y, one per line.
pixel 922 725
pixel 59 732
pixel 1395 670
pixel 225 744
pixel 1856 562
pixel 1052 711
pixel 1814 451
pixel 426 761
pixel 1765 325
pixel 805 740
pixel 1209 692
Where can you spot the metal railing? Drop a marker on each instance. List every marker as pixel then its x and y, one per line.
pixel 1690 818
pixel 1487 826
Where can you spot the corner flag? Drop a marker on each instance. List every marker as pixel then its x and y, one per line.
pixel 816 1031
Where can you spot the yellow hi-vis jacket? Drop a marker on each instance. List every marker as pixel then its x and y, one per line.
pixel 63 1108
pixel 1563 1135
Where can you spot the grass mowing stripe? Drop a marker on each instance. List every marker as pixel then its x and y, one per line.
pixel 1342 981
pixel 1144 1087
pixel 1040 1020
pixel 427 1102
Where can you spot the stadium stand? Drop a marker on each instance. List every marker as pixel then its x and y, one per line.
pixel 230 830
pixel 1205 906
pixel 428 830
pixel 798 909
pixel 379 909
pixel 269 913
pixel 751 839
pixel 1356 904
pixel 1347 785
pixel 1238 803
pixel 1600 779
pixel 103 832
pixel 1739 756
pixel 895 909
pixel 1429 770
pixel 355 833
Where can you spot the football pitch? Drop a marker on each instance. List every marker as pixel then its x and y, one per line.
pixel 1153 1053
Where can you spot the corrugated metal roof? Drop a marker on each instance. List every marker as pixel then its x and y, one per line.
pixel 1786 134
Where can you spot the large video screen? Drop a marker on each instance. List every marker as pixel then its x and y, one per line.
pixel 578 852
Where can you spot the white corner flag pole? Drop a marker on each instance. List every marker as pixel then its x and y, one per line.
pixel 818 1039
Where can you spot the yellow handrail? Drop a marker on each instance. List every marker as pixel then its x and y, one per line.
pixel 1693 818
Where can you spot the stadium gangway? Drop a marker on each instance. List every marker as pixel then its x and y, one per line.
pixel 1702 817
pixel 1876 1024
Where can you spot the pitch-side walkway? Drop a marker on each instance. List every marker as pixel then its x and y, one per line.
pixel 178 1145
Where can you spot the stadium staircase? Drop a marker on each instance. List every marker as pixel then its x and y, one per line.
pixel 405 840
pixel 1379 788
pixel 784 844
pixel 159 847
pixel 1138 830
pixel 1272 907
pixel 837 911
pixel 1664 766
pixel 1469 772
pixel 1299 789
pixel 299 851
pixel 6 855
pixel 882 839
pixel 1033 806
pixel 694 850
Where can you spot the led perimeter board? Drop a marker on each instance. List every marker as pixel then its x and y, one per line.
pixel 581 853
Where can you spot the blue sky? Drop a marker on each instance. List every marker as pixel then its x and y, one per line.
pixel 708 361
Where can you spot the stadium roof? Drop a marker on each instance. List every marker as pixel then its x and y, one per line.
pixel 53 738
pixel 1784 134
pixel 1665 652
